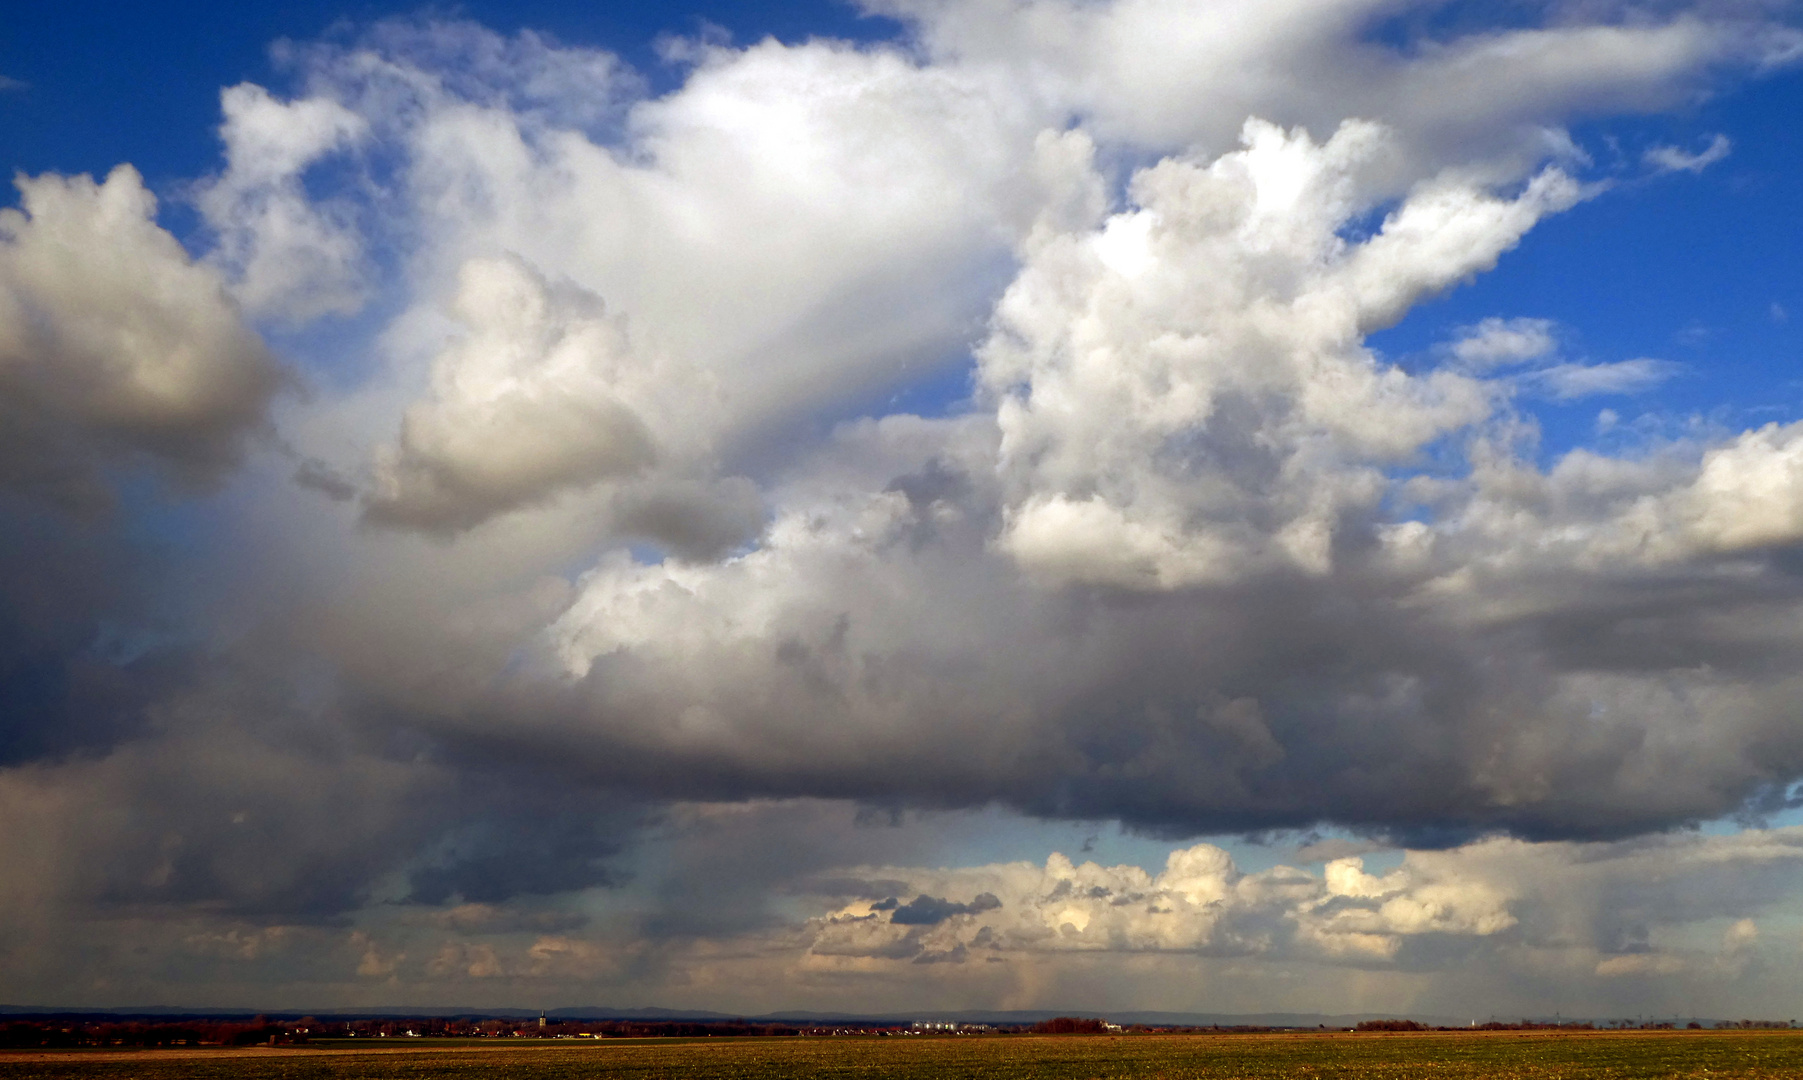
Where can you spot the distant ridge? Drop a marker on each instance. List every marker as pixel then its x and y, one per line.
pixel 657 1014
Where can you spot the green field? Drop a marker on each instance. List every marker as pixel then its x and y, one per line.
pixel 1440 1056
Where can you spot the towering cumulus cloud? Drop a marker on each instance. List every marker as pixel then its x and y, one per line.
pixel 1186 422
pixel 744 496
pixel 1184 395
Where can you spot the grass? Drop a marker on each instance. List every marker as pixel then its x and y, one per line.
pixel 1334 1056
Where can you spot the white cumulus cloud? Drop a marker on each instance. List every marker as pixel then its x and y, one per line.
pixel 114 342
pixel 539 396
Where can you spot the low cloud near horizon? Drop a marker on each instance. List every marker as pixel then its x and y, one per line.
pixel 487 564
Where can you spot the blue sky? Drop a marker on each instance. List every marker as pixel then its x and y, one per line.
pixel 1695 269
pixel 1300 507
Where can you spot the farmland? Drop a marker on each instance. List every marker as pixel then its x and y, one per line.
pixel 1363 1056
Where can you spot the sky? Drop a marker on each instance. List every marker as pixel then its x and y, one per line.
pixel 1088 505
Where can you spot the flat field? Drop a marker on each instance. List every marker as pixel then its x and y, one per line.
pixel 1364 1056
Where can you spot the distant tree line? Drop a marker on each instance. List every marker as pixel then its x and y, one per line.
pixel 54 1034
pixel 1573 1025
pixel 1070 1025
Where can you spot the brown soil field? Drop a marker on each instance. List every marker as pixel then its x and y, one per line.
pixel 1301 1056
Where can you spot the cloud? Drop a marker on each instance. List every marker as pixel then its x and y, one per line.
pixel 1179 446
pixel 1200 333
pixel 9 84
pixel 83 656
pixel 1567 382
pixel 114 344
pixel 499 858
pixel 655 560
pixel 1186 458
pixel 1495 342
pixel 1631 910
pixel 803 224
pixel 1135 69
pixel 495 919
pixel 539 397
pixel 926 910
pixel 288 257
pixel 1638 965
pixel 1667 159
pixel 1497 924
pixel 320 477
pixel 1200 903
pixel 1533 343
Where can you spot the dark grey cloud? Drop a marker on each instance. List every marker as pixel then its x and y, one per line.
pixel 692 520
pixel 1278 702
pixel 318 476
pixel 78 664
pixel 926 910
pixel 559 846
